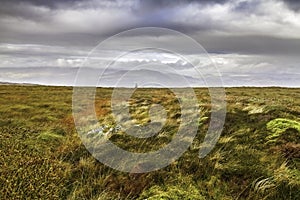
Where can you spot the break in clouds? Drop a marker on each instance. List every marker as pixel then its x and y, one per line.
pixel 252 42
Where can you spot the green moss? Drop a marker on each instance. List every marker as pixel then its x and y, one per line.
pixel 279 126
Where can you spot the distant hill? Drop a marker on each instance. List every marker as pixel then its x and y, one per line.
pixel 11 83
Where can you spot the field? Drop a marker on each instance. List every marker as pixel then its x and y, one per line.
pixel 256 157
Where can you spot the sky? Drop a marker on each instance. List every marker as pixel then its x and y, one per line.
pixel 251 42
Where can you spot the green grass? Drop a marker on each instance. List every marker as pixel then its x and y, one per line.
pixel 256 157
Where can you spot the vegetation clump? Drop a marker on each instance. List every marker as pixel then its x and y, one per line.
pixel 280 126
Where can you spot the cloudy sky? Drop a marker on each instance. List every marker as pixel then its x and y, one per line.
pixel 252 42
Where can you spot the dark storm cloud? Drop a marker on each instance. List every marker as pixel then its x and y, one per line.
pixel 247 7
pixel 242 34
pixel 22 11
pixel 149 3
pixel 87 22
pixel 36 9
pixel 293 4
pixel 50 4
pixel 154 4
pixel 63 15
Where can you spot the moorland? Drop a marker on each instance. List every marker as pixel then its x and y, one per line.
pixel 256 157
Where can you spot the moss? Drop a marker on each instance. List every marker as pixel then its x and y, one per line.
pixel 279 126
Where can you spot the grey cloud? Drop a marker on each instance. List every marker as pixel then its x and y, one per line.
pixel 94 19
pixel 145 3
pixel 38 50
pixel 292 4
pixel 151 5
pixel 50 4
pixel 23 10
pixel 247 7
pixel 222 26
pixel 250 44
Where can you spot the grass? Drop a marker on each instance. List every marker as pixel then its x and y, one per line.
pixel 257 156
